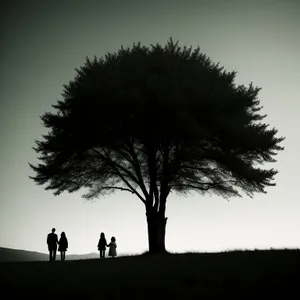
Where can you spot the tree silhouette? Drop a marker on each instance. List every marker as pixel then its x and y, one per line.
pixel 152 121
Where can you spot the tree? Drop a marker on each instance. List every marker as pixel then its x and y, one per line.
pixel 151 121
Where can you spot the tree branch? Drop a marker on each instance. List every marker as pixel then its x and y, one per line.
pixel 137 168
pixel 152 170
pixel 210 185
pixel 113 165
pixel 189 186
pixel 164 181
pixel 117 188
pixel 198 168
pixel 94 169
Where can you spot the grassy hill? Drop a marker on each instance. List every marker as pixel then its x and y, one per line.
pixel 237 274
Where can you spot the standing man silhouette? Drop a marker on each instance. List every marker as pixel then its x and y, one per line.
pixel 52 241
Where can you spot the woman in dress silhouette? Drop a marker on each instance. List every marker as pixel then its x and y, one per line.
pixel 63 246
pixel 102 245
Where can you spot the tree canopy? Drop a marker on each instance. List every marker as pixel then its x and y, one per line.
pixel 152 120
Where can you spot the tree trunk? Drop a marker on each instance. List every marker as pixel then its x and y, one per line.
pixel 156 231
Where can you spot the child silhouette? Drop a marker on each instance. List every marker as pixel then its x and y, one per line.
pixel 112 247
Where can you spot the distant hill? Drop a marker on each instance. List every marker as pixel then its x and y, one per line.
pixel 18 255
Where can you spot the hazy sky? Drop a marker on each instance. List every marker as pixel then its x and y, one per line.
pixel 42 42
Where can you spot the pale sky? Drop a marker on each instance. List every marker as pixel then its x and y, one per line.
pixel 42 42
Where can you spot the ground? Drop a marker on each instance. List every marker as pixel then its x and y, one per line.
pixel 237 274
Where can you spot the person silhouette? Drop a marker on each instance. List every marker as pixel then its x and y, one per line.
pixel 52 244
pixel 112 247
pixel 63 246
pixel 102 245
